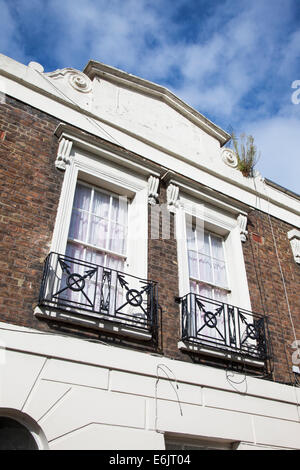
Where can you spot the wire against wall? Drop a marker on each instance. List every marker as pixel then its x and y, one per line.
pixel 91 120
pixel 161 367
pixel 295 385
pixel 280 267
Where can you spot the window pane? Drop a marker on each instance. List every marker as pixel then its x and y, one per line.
pixel 205 290
pixel 205 268
pixel 82 197
pixel 117 238
pixel 206 262
pixel 220 295
pixel 98 232
pixel 78 226
pixel 192 258
pixel 115 263
pixel 95 257
pixel 98 219
pixel 220 273
pixel 194 287
pixel 119 210
pixel 217 247
pixel 100 206
pixel 203 242
pixel 75 251
pixel 190 233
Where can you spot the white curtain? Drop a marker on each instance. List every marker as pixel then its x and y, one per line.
pixel 207 271
pixel 98 219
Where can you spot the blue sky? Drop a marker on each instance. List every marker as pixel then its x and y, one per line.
pixel 234 61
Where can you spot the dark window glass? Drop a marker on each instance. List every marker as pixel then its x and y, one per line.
pixel 14 436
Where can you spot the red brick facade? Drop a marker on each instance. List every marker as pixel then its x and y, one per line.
pixel 30 190
pixel 267 289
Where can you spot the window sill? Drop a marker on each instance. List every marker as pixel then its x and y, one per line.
pixel 100 323
pixel 227 356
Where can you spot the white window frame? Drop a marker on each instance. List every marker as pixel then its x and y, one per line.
pixel 90 246
pixel 213 285
pixel 84 167
pixel 117 174
pixel 224 224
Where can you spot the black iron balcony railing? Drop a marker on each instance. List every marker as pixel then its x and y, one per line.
pixel 82 287
pixel 219 326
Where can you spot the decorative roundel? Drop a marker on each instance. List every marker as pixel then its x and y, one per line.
pixel 75 282
pixel 229 157
pixel 80 82
pixel 134 297
pixel 251 331
pixel 210 320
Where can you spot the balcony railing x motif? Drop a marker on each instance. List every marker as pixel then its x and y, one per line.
pixel 82 287
pixel 219 326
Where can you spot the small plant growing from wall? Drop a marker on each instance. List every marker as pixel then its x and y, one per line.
pixel 246 153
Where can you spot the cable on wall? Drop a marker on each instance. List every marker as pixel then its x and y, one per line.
pixel 280 267
pixel 295 385
pixel 259 207
pixel 91 120
pixel 162 367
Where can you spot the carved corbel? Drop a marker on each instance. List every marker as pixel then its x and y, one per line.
pixel 63 153
pixel 153 183
pixel 294 237
pixel 242 223
pixel 76 79
pixel 172 197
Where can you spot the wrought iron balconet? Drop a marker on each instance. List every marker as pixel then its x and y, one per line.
pixel 79 286
pixel 219 326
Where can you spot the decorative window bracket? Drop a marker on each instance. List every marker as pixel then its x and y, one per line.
pixel 172 197
pixel 153 183
pixel 294 237
pixel 242 223
pixel 63 153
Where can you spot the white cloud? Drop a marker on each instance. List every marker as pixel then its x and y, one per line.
pixel 10 40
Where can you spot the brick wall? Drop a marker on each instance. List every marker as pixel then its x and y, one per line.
pixel 266 286
pixel 162 267
pixel 29 193
pixel 30 190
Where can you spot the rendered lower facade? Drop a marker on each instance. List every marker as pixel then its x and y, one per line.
pixel 149 293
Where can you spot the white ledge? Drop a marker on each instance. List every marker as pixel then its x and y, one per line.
pixel 186 346
pixel 103 324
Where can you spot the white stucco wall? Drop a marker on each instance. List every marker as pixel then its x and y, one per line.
pixel 87 395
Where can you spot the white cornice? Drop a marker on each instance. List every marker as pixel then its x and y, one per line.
pixel 214 198
pixel 118 155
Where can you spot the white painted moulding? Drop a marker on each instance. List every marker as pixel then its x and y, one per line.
pixel 294 237
pixel 107 356
pixel 242 223
pixel 153 183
